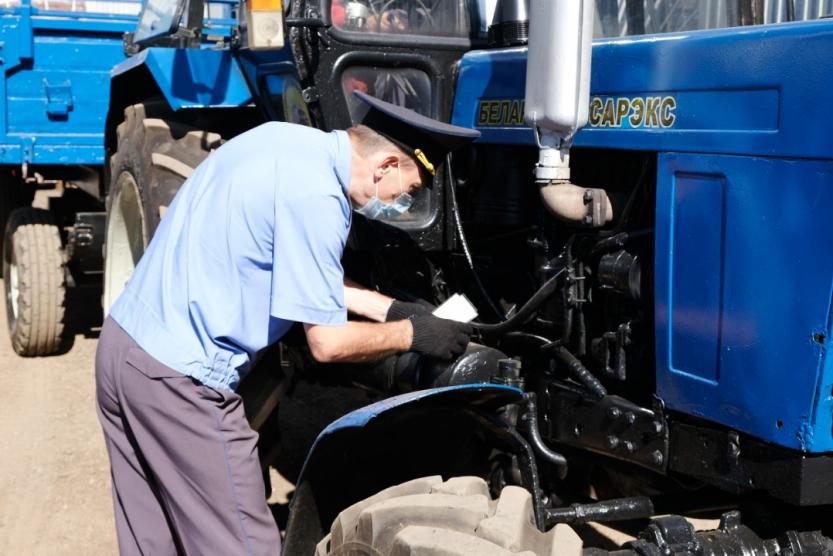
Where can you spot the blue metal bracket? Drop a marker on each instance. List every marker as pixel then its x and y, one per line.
pixel 58 98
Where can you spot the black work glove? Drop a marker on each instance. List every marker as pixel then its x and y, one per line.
pixel 401 310
pixel 439 338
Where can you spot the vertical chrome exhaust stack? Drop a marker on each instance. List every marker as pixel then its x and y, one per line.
pixel 510 25
pixel 557 103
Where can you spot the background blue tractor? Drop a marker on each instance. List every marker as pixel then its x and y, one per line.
pixel 655 298
pixel 56 61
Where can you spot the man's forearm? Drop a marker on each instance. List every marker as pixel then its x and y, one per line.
pixel 356 342
pixel 364 302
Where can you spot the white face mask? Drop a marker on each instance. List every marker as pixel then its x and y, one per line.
pixel 375 209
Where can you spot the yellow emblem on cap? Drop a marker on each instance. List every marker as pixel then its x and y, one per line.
pixel 424 161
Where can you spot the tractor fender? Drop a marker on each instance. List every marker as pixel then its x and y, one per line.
pixel 427 432
pixel 184 78
pixel 190 78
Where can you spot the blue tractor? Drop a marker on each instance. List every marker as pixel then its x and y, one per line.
pixel 56 61
pixel 641 226
pixel 54 96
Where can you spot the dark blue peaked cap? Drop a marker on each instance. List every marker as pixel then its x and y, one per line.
pixel 426 139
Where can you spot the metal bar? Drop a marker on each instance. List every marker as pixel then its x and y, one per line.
pixel 619 509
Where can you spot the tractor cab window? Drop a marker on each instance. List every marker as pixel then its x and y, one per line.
pixel 619 18
pixel 430 18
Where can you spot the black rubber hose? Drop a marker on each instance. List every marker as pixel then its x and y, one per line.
pixel 581 372
pixel 567 333
pixel 529 308
pixel 535 440
pixel 458 224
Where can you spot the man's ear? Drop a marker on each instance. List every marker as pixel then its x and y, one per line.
pixel 385 165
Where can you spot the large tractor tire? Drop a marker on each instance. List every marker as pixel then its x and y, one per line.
pixel 35 283
pixel 429 517
pixel 155 155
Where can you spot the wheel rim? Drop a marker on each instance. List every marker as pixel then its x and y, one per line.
pixel 13 290
pixel 125 238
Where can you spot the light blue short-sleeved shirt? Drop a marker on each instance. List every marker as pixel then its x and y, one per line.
pixel 251 243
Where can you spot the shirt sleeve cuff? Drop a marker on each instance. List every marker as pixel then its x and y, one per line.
pixel 309 315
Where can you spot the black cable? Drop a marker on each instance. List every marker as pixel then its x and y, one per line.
pixel 464 244
pixel 526 311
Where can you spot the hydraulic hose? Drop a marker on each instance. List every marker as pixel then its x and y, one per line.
pixel 529 308
pixel 581 372
pixel 535 440
pixel 577 369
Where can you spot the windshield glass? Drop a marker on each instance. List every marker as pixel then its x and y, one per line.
pixel 618 18
pixel 436 18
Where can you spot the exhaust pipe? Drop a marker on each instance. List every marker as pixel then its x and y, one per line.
pixel 557 103
pixel 510 24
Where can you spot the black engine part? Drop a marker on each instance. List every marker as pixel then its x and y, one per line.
pixel 410 371
pixel 622 272
pixel 673 535
pixel 618 509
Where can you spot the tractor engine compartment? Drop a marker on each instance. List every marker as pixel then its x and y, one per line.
pixel 566 301
pixel 654 338
pixel 567 314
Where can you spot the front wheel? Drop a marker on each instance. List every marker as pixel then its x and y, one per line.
pixel 155 156
pixel 457 517
pixel 33 275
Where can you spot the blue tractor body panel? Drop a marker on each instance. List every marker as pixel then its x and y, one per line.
pixel 192 78
pixel 743 253
pixel 214 78
pixel 55 83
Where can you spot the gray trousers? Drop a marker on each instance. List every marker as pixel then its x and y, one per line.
pixel 185 470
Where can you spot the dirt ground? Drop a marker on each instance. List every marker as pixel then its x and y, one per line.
pixel 54 475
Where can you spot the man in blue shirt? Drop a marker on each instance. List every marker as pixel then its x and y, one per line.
pixel 251 244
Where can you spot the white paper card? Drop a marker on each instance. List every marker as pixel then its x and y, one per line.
pixel 457 307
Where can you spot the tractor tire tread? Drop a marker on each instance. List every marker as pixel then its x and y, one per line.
pixel 158 151
pixel 36 249
pixel 457 517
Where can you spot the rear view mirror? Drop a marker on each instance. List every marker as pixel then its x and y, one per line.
pixel 159 18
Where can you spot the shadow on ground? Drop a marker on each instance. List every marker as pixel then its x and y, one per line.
pixel 83 315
